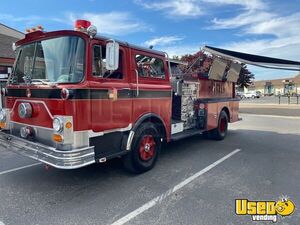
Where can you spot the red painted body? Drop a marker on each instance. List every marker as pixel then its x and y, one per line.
pixel 107 114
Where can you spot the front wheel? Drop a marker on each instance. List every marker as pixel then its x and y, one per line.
pixel 145 149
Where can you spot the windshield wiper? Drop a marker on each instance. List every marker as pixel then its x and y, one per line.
pixel 43 81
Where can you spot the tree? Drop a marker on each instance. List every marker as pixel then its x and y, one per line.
pixel 199 64
pixel 246 77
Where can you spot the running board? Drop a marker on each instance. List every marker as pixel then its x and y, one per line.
pixel 185 134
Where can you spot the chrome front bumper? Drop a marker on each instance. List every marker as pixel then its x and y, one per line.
pixel 72 159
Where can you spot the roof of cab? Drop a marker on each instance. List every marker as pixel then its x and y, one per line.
pixel 40 34
pixel 153 51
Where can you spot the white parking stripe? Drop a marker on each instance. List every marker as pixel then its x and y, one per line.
pixel 18 168
pixel 270 116
pixel 160 198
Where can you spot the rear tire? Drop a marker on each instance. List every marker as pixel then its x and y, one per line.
pixel 221 131
pixel 145 149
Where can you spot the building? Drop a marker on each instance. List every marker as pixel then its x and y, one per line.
pixel 278 86
pixel 7 56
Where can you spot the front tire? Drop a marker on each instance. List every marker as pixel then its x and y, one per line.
pixel 145 149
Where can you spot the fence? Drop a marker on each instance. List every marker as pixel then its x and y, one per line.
pixel 289 99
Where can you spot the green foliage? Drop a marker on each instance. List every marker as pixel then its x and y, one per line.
pixel 246 77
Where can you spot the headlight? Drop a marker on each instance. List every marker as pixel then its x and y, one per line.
pixel 25 110
pixel 2 115
pixel 58 124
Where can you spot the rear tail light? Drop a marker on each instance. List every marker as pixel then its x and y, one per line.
pixel 201 106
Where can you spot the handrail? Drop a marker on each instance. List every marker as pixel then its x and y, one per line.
pixel 169 64
pixel 137 82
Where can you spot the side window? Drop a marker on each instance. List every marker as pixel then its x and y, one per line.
pixel 99 60
pixel 150 67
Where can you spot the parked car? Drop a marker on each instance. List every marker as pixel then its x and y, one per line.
pixel 251 94
pixel 258 94
pixel 239 94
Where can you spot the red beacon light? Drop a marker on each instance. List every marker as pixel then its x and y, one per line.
pixel 40 28
pixel 34 29
pixel 86 27
pixel 82 25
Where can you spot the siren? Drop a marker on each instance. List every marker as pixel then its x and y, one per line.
pixel 82 25
pixel 86 27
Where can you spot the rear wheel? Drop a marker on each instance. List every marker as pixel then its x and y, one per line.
pixel 145 149
pixel 221 131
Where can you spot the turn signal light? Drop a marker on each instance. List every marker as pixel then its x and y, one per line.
pixel 57 138
pixel 68 125
pixel 2 125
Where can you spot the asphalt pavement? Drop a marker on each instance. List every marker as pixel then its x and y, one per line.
pixel 196 181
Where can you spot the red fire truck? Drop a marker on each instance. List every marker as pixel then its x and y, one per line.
pixel 75 98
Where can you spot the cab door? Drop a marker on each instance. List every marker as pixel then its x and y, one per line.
pixel 111 103
pixel 150 80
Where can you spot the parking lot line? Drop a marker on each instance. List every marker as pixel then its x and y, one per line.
pixel 177 187
pixel 271 116
pixel 18 168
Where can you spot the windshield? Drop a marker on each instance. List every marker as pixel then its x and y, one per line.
pixel 57 60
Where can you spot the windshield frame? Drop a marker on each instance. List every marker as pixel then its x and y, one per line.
pixel 45 37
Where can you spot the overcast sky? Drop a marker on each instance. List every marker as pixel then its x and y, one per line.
pixel 265 27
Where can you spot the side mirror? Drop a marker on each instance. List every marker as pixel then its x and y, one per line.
pixel 176 86
pixel 14 47
pixel 112 55
pixel 9 71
